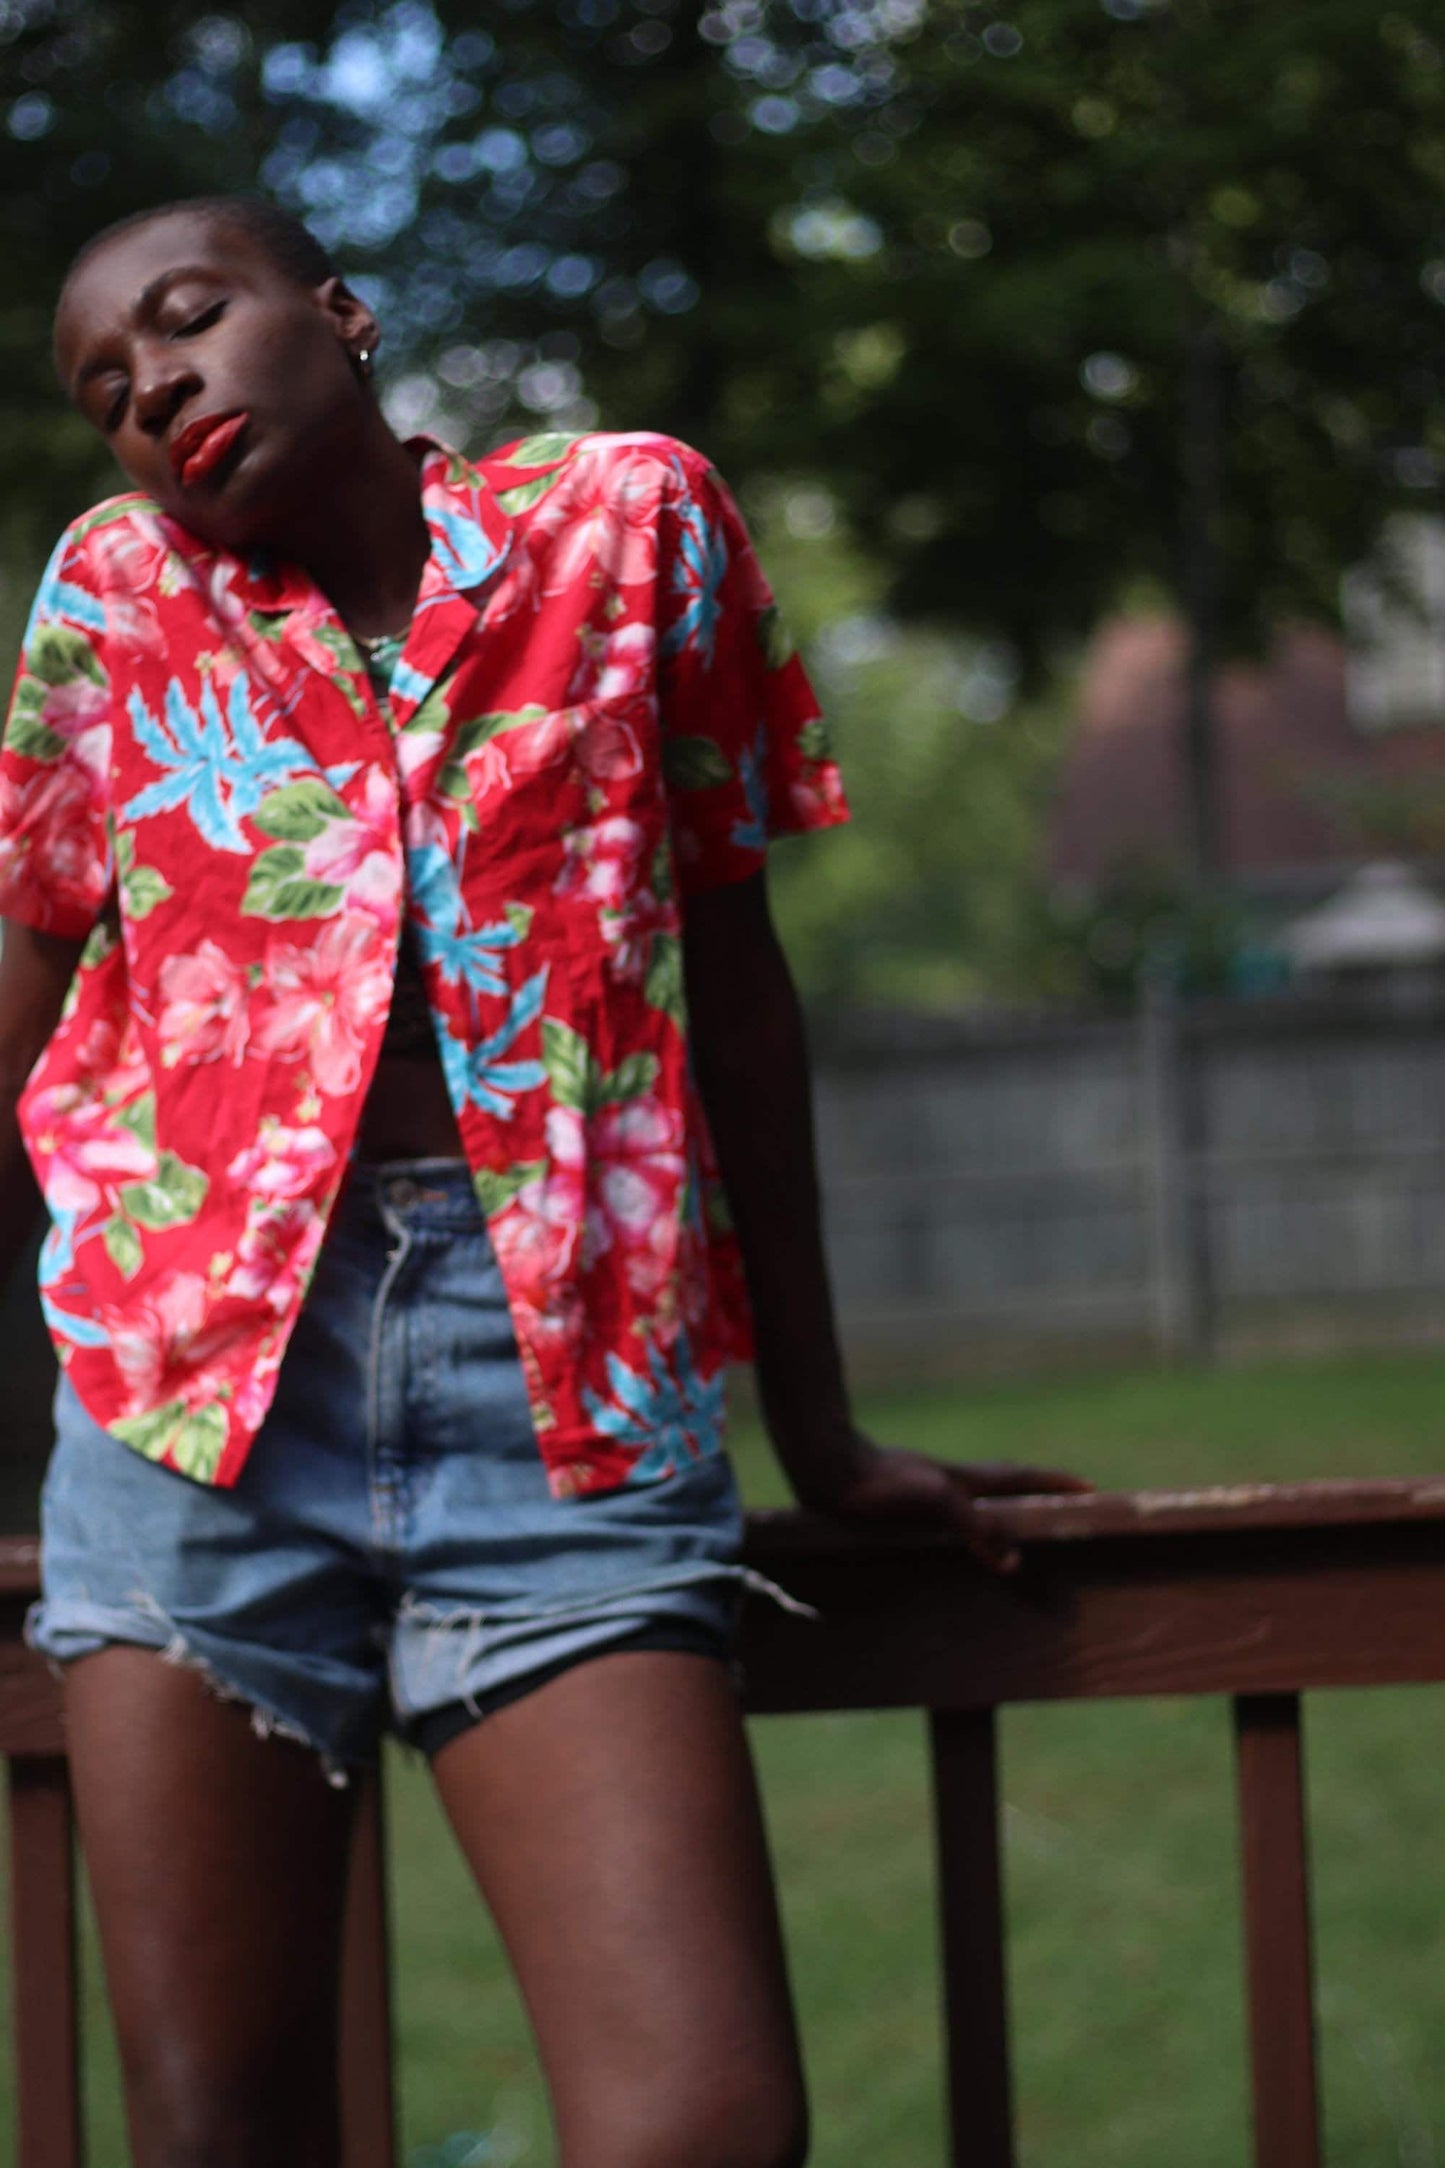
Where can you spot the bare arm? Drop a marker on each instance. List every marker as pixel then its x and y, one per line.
pixel 35 974
pixel 750 1056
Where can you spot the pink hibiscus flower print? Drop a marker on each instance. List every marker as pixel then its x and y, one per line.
pixel 361 854
pixel 601 520
pixel 601 860
pixel 204 1007
pixel 620 1174
pixel 49 835
pixel 276 1251
pixel 163 1349
pixel 615 666
pixel 86 1151
pixel 283 1162
pixel 325 999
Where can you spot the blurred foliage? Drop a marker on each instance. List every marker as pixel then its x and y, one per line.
pixel 935 893
pixel 944 260
pixel 1147 922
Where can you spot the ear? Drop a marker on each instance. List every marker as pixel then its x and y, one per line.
pixel 350 318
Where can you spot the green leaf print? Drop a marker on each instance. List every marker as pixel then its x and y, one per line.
pixel 774 638
pixel 662 986
pixel 432 713
pixel 26 732
pixel 195 1438
pixel 695 764
pixel 661 877
pixel 718 1211
pixel 199 1444
pixel 630 1079
pixel 526 494
pixel 473 734
pixel 152 1433
pixel 279 887
pixel 298 812
pixel 143 888
pixel 58 655
pixel 174 1194
pixel 495 1190
pixel 105 515
pixel 571 1071
pixel 814 742
pixel 541 450
pixel 140 1119
pixel 123 1246
pixel 519 917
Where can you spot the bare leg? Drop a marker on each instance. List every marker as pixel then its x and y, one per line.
pixel 611 1819
pixel 217 1862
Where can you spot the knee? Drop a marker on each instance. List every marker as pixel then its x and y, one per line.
pixel 716 2126
pixel 181 2124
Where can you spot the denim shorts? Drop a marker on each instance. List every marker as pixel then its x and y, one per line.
pixel 391 1556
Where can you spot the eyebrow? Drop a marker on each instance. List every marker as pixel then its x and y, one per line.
pixel 150 298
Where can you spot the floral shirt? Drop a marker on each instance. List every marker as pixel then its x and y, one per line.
pixel 596 713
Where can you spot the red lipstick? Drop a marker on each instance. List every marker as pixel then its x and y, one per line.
pixel 203 444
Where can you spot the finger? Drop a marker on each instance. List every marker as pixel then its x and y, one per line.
pixel 993 1547
pixel 1007 1479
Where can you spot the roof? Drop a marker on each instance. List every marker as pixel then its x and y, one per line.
pixel 1291 759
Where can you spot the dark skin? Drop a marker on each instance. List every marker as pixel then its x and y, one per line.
pixel 650 1958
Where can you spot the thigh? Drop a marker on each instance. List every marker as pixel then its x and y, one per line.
pixel 611 1818
pixel 217 1862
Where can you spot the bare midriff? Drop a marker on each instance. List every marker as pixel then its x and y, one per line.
pixel 408 1114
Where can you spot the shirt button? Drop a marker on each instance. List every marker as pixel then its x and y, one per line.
pixel 402 1193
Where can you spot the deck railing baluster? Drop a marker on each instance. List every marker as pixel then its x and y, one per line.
pixel 46 1982
pixel 1277 1931
pixel 975 1992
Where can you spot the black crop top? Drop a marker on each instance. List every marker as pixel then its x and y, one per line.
pixel 409 1032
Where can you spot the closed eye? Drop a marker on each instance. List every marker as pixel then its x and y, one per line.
pixel 203 322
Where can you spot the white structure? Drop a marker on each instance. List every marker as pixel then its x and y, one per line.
pixel 1394 616
pixel 1383 921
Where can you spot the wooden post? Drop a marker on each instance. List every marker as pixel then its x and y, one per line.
pixel 965 1789
pixel 368 2101
pixel 1277 1931
pixel 42 1913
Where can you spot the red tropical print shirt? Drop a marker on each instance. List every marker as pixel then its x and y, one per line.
pixel 595 713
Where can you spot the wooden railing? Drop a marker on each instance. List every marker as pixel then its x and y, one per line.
pixel 1257 1593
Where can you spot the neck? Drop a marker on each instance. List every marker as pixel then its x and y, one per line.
pixel 363 538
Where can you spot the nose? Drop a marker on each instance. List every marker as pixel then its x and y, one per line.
pixel 163 380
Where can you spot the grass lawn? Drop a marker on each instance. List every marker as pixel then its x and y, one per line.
pixel 1122 1879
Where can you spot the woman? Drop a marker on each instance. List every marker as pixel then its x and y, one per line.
pixel 405 821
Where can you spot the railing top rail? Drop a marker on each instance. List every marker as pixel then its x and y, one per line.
pixel 1223 1508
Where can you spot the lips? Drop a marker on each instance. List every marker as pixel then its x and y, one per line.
pixel 203 444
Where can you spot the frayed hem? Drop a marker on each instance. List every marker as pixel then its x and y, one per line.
pixel 265 1723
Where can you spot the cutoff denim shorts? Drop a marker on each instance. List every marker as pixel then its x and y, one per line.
pixel 391 1556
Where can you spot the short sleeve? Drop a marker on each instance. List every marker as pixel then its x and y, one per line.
pixel 744 748
pixel 55 861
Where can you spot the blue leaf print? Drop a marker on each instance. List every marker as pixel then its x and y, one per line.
pixel 462 547
pixel 478 1075
pixel 444 936
pixel 697 574
pixel 673 1413
pixel 221 767
pixel 752 834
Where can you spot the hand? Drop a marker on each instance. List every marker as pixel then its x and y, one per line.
pixel 892 1486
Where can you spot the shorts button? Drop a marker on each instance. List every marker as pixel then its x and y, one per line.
pixel 402 1193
